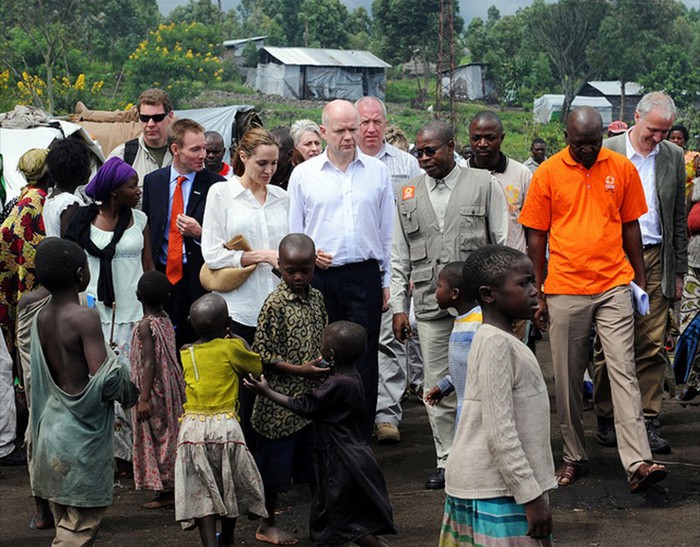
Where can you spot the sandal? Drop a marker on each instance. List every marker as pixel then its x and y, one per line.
pixel 687 395
pixel 568 472
pixel 646 475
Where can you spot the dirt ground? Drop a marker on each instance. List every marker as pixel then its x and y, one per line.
pixel 594 511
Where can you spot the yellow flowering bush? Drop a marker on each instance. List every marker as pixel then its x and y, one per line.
pixel 31 89
pixel 179 57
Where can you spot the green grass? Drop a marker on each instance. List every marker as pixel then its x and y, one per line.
pixel 517 123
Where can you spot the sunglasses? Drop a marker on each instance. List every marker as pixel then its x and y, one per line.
pixel 145 118
pixel 428 151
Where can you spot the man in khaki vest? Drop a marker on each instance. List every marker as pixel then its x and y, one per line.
pixel 443 215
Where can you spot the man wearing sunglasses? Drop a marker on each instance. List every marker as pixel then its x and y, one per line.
pixel 150 150
pixel 443 215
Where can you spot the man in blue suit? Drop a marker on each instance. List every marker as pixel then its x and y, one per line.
pixel 180 189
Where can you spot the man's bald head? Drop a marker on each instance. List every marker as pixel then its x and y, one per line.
pixel 584 135
pixel 585 118
pixel 216 149
pixel 337 109
pixel 340 128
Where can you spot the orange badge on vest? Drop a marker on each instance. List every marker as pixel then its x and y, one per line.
pixel 408 192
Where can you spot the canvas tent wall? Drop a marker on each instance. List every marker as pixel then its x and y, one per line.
pixel 612 91
pixel 114 128
pixel 15 142
pixel 307 73
pixel 548 107
pixel 470 82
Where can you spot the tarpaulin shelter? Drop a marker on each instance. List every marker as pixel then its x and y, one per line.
pixel 28 127
pixel 548 107
pixel 113 128
pixel 325 74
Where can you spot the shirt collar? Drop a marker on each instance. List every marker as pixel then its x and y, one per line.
pixel 386 150
pixel 290 295
pixel 450 180
pixel 500 166
pixel 174 174
pixel 630 150
pixel 326 162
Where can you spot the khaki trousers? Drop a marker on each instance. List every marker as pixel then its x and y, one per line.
pixel 76 526
pixel 649 352
pixel 571 319
pixel 434 339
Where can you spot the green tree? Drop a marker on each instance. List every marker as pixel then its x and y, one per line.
pixel 181 58
pixel 406 29
pixel 324 23
pixel 278 18
pixel 516 64
pixel 53 27
pixel 565 31
pixel 359 28
pixel 674 72
pixel 630 36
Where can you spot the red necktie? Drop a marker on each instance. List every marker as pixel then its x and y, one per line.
pixel 173 265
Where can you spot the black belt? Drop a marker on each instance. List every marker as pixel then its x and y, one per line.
pixel 651 246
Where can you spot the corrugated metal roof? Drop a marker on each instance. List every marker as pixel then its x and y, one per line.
pixel 613 88
pixel 234 43
pixel 325 57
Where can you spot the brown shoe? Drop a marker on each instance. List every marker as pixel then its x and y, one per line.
pixel 568 472
pixel 388 433
pixel 646 475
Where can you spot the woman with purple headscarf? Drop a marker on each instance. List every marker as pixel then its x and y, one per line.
pixel 116 238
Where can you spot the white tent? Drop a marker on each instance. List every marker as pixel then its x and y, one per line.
pixel 15 142
pixel 220 119
pixel 548 106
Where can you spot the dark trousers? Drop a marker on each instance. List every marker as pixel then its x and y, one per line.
pixel 178 307
pixel 354 293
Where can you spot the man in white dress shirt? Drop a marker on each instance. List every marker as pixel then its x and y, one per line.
pixel 392 353
pixel 344 201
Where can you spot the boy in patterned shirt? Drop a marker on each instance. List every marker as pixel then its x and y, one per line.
pixel 288 339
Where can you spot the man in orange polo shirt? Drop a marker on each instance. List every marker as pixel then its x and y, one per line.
pixel 588 200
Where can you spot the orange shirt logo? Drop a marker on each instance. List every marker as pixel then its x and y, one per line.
pixel 610 184
pixel 408 193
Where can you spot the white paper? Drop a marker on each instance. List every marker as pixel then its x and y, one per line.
pixel 640 299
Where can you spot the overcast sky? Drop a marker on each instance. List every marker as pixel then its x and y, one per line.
pixel 467 8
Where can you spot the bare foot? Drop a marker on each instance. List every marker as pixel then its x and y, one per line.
pixel 163 499
pixel 41 522
pixel 274 535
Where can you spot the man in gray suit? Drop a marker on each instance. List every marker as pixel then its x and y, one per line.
pixel 664 236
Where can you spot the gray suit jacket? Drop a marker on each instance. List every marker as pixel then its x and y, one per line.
pixel 670 194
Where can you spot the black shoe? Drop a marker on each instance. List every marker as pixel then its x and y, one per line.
pixel 436 481
pixel 606 432
pixel 14 458
pixel 657 444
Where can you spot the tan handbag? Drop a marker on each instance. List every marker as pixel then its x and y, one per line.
pixel 227 279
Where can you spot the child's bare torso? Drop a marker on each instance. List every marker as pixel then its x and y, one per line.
pixel 62 331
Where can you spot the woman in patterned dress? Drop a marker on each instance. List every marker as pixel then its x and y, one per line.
pixel 21 232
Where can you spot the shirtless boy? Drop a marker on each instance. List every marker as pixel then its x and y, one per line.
pixel 75 379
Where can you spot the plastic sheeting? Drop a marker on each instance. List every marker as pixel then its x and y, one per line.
pixel 469 83
pixel 220 119
pixel 15 142
pixel 323 83
pixel 548 106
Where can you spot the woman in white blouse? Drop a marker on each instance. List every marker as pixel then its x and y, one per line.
pixel 248 205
